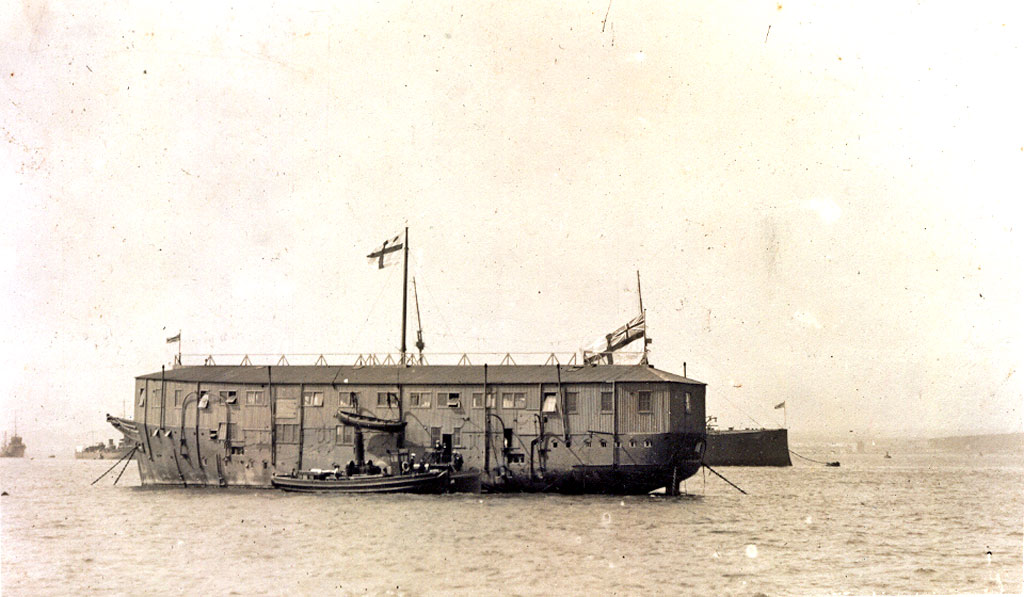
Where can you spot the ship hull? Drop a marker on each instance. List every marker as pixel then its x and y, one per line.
pixel 748 447
pixel 613 429
pixel 621 480
pixel 173 458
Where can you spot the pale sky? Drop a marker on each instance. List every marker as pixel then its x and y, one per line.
pixel 822 198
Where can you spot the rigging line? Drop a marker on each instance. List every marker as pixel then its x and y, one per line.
pixel 806 458
pixel 369 313
pixel 742 411
pixel 439 312
pixel 126 463
pixel 723 478
pixel 114 466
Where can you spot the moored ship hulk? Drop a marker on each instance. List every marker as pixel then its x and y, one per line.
pixel 593 427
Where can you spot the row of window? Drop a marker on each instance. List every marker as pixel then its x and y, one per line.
pixel 252 397
pixel 344 436
pixel 509 400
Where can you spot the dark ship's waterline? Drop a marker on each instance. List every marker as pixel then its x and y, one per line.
pixel 620 429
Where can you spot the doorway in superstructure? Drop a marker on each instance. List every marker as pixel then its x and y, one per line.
pixel 446 447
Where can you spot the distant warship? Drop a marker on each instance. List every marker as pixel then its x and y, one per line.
pixel 14 448
pixel 101 451
pixel 747 447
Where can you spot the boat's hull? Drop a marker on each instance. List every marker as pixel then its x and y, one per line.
pixel 370 423
pixel 433 482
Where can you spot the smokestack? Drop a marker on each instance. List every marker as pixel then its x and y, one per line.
pixel 684 368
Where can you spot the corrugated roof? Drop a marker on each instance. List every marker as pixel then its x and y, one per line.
pixel 424 375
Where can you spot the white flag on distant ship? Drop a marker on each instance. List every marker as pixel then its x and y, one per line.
pixel 780 405
pixel 387 254
pixel 173 339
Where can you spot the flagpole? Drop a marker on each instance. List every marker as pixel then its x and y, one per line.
pixel 405 289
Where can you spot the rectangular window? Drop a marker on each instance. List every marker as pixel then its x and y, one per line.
pixel 343 435
pixel 643 402
pixel 451 399
pixel 312 399
pixel 607 402
pixel 491 400
pixel 229 433
pixel 229 396
pixel 571 402
pixel 177 397
pixel 253 398
pixel 688 403
pixel 287 433
pixel 550 404
pixel 435 435
pixel 156 396
pixel 348 398
pixel 520 400
pixel 457 437
pixel 419 399
pixel 478 399
pixel 387 399
pixel 507 400
pixel 142 397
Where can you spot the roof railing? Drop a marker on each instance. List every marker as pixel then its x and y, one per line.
pixel 391 359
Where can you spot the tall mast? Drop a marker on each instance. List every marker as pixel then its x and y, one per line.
pixel 405 289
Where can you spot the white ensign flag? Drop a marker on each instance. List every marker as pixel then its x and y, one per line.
pixel 387 254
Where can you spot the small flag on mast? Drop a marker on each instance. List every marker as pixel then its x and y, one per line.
pixel 175 338
pixel 387 254
pixel 780 405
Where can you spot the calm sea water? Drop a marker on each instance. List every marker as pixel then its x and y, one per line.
pixel 913 524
